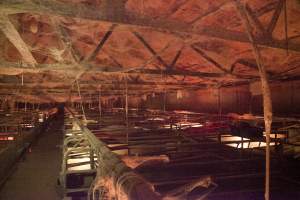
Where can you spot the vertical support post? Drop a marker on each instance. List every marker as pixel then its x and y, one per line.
pixel 126 99
pixel 99 104
pixel 25 106
pixel 267 101
pixel 286 26
pixel 292 96
pixel 165 99
pixel 219 103
pixel 2 104
pixel 92 158
pixel 126 113
pixel 250 104
pixel 237 100
pixel 242 145
pixel 11 105
pixel 78 89
pixel 126 106
pixel 90 103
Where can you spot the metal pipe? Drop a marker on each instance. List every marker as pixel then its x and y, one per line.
pixel 265 90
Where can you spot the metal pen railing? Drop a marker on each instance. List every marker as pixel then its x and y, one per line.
pixel 103 164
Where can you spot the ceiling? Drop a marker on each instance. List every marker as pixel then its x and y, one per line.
pixel 51 48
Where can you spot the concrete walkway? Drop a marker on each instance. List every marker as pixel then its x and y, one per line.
pixel 35 177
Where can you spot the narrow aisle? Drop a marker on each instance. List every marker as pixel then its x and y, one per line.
pixel 35 177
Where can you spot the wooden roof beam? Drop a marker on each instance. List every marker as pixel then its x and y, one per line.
pixel 14 37
pixel 93 55
pixel 93 86
pixel 48 7
pixel 8 68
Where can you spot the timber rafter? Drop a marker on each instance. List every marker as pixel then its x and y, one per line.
pixel 14 37
pixel 47 7
pixel 9 68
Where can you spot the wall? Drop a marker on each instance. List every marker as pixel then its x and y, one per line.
pixel 213 100
pixel 241 99
pixel 285 98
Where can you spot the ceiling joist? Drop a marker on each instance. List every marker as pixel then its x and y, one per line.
pixel 51 8
pixel 14 37
pixel 9 68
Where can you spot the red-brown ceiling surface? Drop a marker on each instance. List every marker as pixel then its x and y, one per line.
pixel 155 45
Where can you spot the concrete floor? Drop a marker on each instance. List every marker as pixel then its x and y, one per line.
pixel 36 176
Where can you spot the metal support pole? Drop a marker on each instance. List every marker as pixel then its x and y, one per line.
pixel 266 93
pixel 237 101
pixel 22 79
pixel 78 89
pixel 165 98
pixel 242 145
pixel 286 26
pixel 99 104
pixel 219 102
pixel 90 103
pixel 126 112
pixel 92 158
pixel 250 104
pixel 126 99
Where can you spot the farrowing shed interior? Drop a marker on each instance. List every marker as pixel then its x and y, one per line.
pixel 149 99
